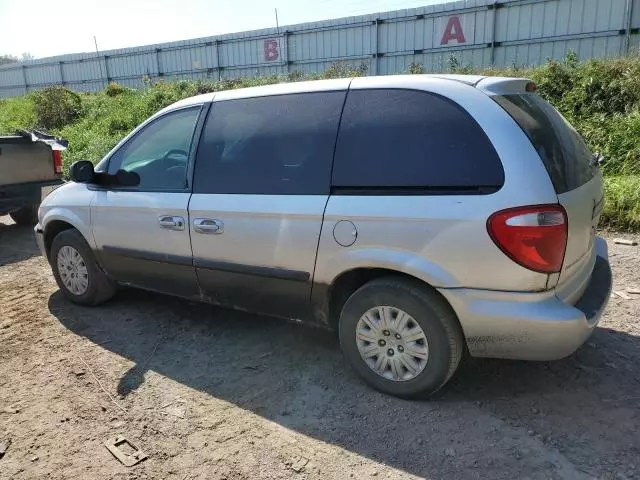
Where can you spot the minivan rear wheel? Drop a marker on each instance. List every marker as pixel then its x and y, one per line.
pixel 76 270
pixel 402 337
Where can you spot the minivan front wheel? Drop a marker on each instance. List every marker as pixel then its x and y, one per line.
pixel 401 337
pixel 76 271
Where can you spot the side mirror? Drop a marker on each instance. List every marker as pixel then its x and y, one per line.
pixel 82 172
pixel 598 159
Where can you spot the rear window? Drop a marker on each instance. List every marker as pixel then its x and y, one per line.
pixel 562 150
pixel 412 141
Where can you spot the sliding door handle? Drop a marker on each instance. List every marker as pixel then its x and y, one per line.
pixel 208 225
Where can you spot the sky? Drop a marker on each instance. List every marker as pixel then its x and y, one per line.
pixel 55 27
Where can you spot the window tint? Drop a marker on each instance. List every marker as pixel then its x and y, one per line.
pixel 562 150
pixel 269 145
pixel 159 153
pixel 411 139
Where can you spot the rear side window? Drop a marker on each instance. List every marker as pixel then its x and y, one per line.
pixel 562 150
pixel 279 145
pixel 413 140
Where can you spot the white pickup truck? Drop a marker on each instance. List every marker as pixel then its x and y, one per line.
pixel 30 167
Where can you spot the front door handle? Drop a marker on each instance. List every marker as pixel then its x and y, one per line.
pixel 208 225
pixel 170 222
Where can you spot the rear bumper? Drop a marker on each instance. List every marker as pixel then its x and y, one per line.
pixel 13 197
pixel 532 326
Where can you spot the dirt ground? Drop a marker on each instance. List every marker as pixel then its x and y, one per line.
pixel 213 394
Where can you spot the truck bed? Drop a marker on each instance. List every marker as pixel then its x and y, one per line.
pixel 27 159
pixel 30 166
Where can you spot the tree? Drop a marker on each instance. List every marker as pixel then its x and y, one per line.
pixel 7 59
pixel 26 56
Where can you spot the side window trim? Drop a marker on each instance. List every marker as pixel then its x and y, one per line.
pixel 193 146
pixel 195 143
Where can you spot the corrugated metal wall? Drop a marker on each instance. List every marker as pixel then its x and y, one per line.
pixel 479 33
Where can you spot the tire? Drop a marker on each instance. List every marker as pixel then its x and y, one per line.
pixel 25 216
pixel 443 342
pixel 98 289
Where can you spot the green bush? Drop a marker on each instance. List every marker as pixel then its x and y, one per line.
pixel 56 107
pixel 113 89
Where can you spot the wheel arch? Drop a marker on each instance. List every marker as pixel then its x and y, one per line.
pixel 54 224
pixel 346 283
pixel 340 274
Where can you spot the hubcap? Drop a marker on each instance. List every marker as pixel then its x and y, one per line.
pixel 392 343
pixel 73 270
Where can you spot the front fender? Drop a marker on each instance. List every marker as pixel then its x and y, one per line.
pixel 71 203
pixel 80 220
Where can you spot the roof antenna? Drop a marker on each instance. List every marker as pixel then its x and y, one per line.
pixel 95 41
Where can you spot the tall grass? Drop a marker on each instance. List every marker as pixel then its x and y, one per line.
pixel 622 205
pixel 600 97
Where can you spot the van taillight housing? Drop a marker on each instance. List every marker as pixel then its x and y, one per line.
pixel 57 161
pixel 534 237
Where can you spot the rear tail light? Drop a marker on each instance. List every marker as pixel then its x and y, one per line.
pixel 534 237
pixel 57 161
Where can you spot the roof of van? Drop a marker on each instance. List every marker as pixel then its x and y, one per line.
pixel 485 83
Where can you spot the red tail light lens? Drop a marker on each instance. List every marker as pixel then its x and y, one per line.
pixel 534 237
pixel 57 161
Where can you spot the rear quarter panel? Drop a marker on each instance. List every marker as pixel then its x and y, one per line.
pixel 442 240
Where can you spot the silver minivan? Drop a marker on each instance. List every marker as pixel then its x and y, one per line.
pixel 422 217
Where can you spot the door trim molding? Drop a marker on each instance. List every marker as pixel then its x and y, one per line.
pixel 258 271
pixel 255 270
pixel 151 256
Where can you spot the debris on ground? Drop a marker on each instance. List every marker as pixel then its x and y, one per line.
pixel 11 409
pixel 298 463
pixel 113 400
pixel 4 446
pixel 624 241
pixel 175 409
pixel 31 368
pixel 622 294
pixel 128 458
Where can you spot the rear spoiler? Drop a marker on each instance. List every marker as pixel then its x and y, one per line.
pixel 54 142
pixel 505 85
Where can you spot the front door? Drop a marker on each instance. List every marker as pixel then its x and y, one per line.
pixel 261 184
pixel 142 232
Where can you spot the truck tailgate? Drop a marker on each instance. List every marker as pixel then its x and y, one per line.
pixel 29 158
pixel 19 164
